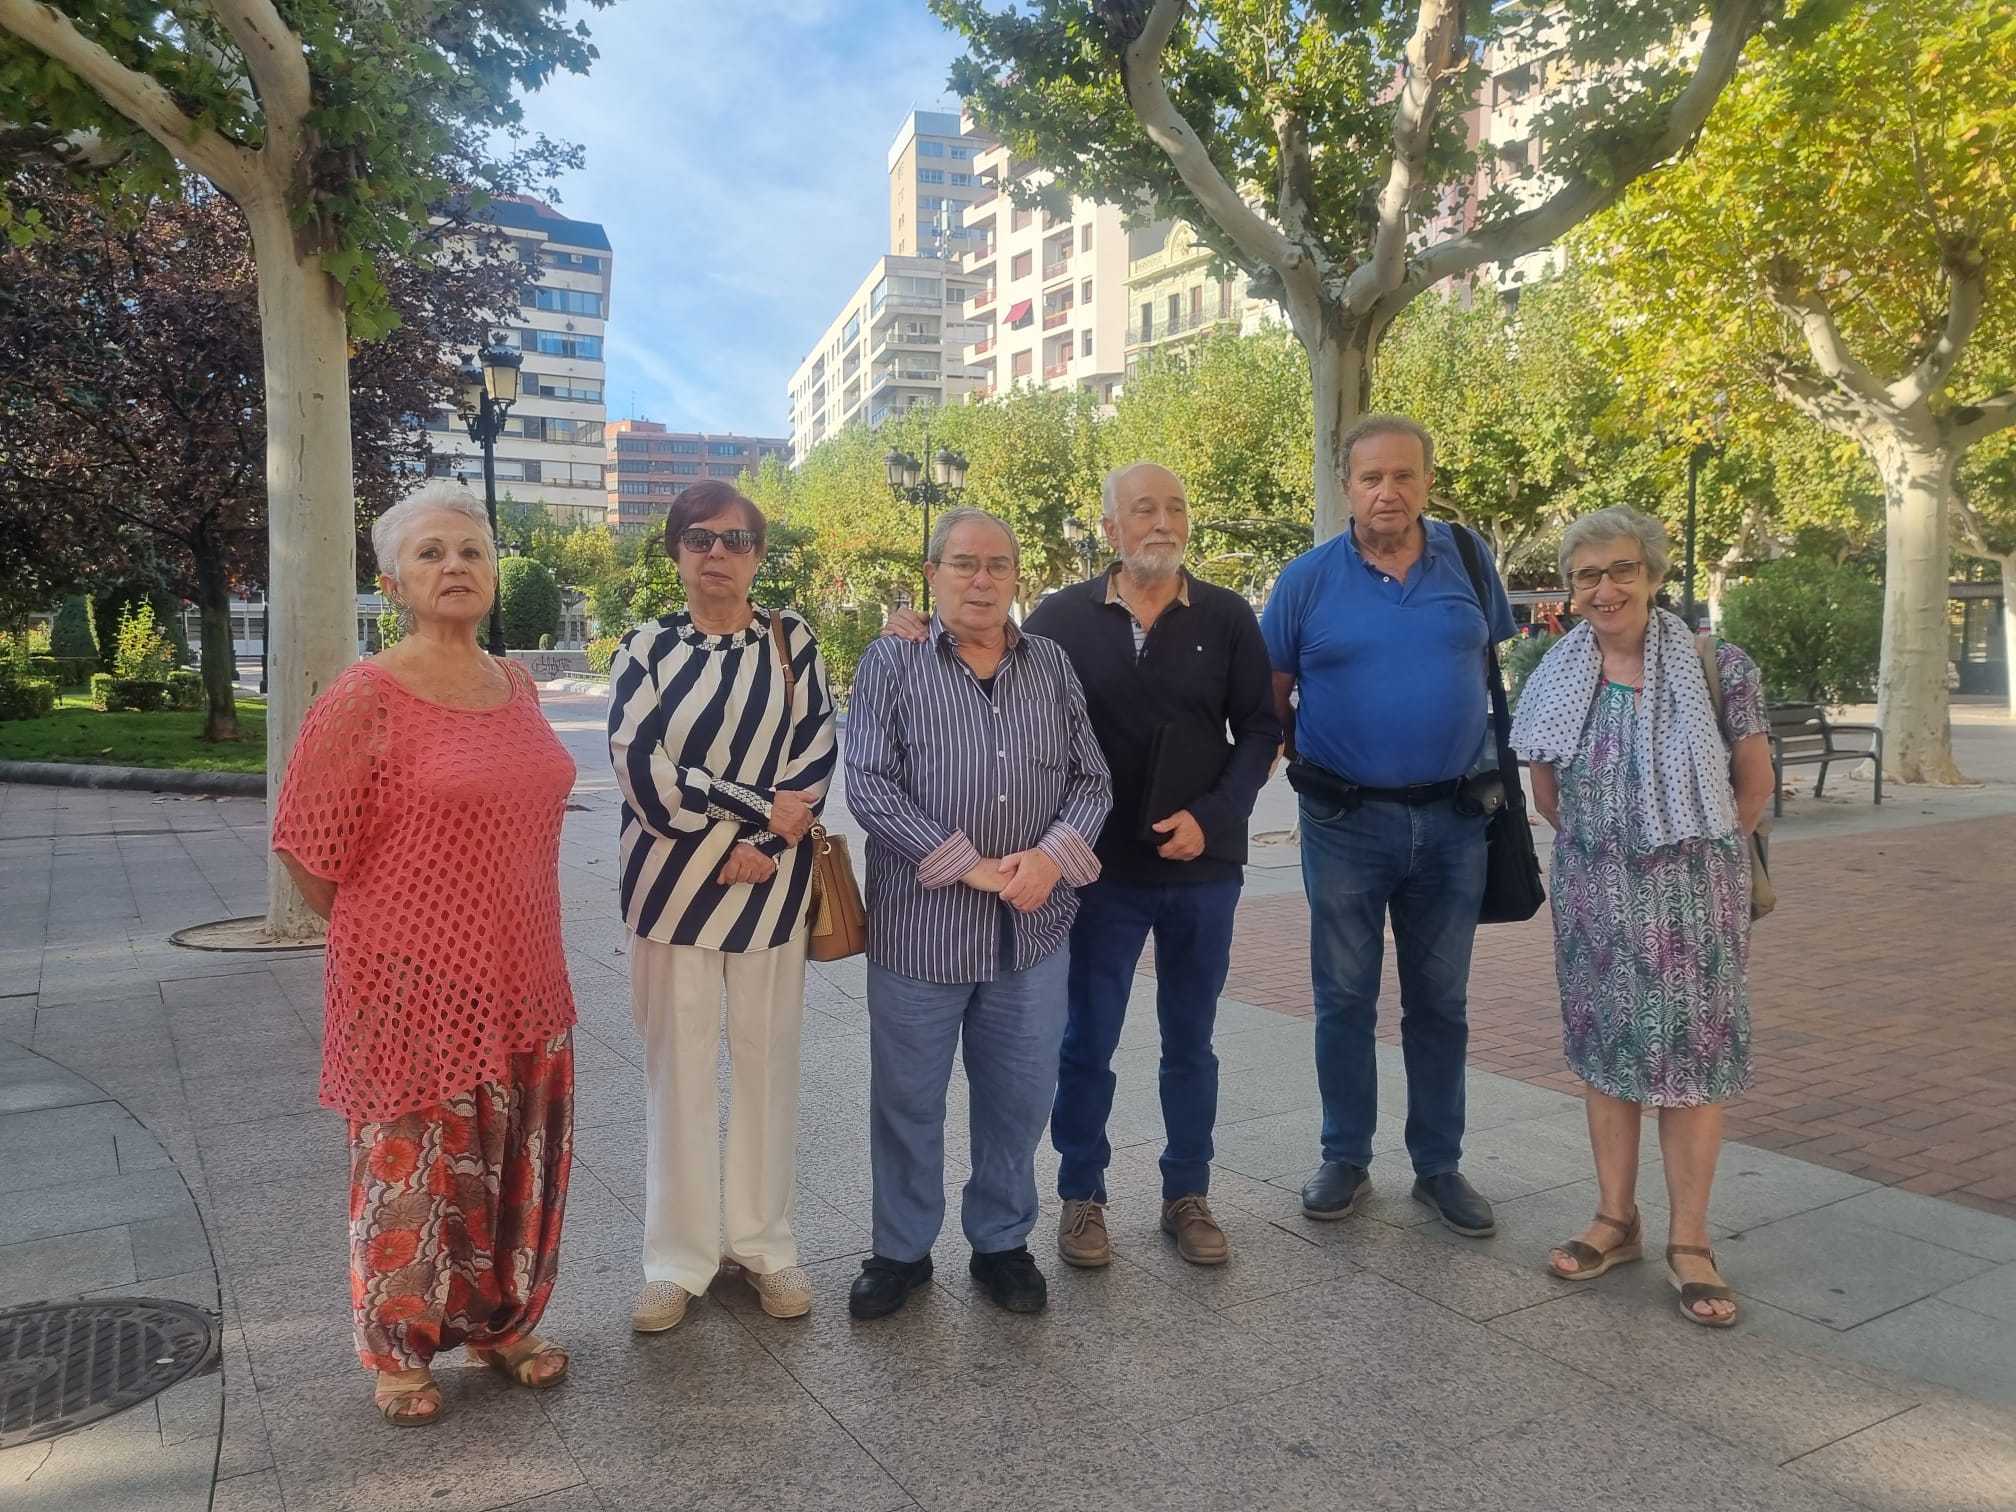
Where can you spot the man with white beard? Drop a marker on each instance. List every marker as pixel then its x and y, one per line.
pixel 1179 690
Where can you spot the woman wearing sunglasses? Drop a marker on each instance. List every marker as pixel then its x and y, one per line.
pixel 1652 797
pixel 723 757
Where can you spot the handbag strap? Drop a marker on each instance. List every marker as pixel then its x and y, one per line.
pixel 784 657
pixel 1471 549
pixel 1705 646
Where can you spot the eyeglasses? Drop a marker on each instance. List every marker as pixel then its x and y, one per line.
pixel 700 541
pixel 999 568
pixel 1623 574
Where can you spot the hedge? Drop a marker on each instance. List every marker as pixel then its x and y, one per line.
pixel 65 671
pixel 111 695
pixel 27 698
pixel 185 691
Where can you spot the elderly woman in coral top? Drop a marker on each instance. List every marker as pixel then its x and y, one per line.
pixel 421 816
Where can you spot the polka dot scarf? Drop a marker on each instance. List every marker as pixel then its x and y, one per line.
pixel 1685 794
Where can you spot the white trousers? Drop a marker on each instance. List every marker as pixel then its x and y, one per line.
pixel 675 993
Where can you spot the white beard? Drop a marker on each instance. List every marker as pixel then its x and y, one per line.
pixel 1154 564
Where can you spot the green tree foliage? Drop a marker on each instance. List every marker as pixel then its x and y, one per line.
pixel 391 626
pixel 71 635
pixel 530 601
pixel 1310 142
pixel 1517 402
pixel 1230 417
pixel 1814 628
pixel 1843 245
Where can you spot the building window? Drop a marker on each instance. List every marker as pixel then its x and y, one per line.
pixel 1085 292
pixel 1023 262
pixel 962 153
pixel 852 332
pixel 930 149
pixel 561 344
pixel 1021 364
pixel 1175 310
pixel 676 448
pixel 1085 237
pixel 625 486
pixel 587 390
pixel 1224 299
pixel 1085 342
pixel 930 175
pixel 963 178
pixel 632 465
pixel 1021 217
pixel 1148 320
pixel 579 262
pixel 724 469
pixel 929 202
pixel 726 449
pixel 565 301
pixel 1197 302
pixel 685 469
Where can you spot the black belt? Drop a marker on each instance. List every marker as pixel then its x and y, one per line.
pixel 1417 796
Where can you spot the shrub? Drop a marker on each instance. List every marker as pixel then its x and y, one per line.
pixel 1814 628
pixel 142 695
pixel 530 600
pixel 64 671
pixel 26 697
pixel 600 653
pixel 70 637
pixel 391 627
pixel 185 691
pixel 144 654
pixel 843 635
pixel 546 643
pixel 1520 660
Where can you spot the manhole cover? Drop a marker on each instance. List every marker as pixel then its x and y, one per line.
pixel 66 1364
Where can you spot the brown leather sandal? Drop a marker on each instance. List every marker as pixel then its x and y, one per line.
pixel 1699 1291
pixel 1590 1262
pixel 391 1398
pixel 516 1362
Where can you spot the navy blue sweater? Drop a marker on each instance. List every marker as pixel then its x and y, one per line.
pixel 1203 665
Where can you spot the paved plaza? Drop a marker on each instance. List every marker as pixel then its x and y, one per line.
pixel 159 1137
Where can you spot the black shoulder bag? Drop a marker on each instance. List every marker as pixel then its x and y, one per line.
pixel 1512 890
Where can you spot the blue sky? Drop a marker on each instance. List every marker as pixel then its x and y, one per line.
pixel 737 155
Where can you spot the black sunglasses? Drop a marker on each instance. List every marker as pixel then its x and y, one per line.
pixel 700 541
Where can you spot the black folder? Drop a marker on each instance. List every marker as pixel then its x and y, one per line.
pixel 1184 763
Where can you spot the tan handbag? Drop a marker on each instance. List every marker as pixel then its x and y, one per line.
pixel 1763 895
pixel 838 924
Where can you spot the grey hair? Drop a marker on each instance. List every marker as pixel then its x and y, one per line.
pixel 1388 425
pixel 965 514
pixel 390 529
pixel 1618 522
pixel 1109 490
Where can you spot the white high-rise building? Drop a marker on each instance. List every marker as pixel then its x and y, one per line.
pixel 552 451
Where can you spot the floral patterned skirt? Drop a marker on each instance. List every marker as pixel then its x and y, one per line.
pixel 455 1213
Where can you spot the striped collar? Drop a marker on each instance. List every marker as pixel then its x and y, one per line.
pixel 942 636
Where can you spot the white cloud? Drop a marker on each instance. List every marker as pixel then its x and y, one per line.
pixel 736 154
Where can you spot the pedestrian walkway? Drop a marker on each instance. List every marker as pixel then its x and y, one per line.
pixel 1378 1362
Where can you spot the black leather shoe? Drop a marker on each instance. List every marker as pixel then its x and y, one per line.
pixel 885 1285
pixel 1462 1207
pixel 1011 1280
pixel 1334 1190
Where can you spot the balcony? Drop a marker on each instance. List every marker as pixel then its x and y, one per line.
pixel 1056 269
pixel 1056 369
pixel 982 297
pixel 1183 325
pixel 1056 318
pixel 982 347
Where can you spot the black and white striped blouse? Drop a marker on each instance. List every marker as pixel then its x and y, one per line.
pixel 701 740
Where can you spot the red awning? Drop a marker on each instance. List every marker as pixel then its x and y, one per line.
pixel 1019 315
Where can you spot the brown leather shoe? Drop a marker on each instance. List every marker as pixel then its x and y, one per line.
pixel 1199 1239
pixel 1081 1233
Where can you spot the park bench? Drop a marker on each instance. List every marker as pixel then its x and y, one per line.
pixel 1802 735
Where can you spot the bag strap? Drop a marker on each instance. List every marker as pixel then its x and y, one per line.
pixel 1471 549
pixel 1706 645
pixel 784 656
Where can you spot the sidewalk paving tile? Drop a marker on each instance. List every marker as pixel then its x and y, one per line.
pixel 1836 1271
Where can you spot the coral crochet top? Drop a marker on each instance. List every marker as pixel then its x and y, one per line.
pixel 441 829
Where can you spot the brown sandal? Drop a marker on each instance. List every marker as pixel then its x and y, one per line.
pixel 390 1398
pixel 515 1361
pixel 1699 1291
pixel 1590 1262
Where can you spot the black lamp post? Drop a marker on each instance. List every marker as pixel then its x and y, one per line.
pixel 489 389
pixel 945 485
pixel 1084 540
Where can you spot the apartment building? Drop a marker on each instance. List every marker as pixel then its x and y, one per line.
pixel 648 466
pixel 551 452
pixel 899 341
pixel 1051 287
pixel 1173 296
pixel 933 178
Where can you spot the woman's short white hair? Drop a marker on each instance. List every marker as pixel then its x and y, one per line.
pixel 1619 522
pixel 390 530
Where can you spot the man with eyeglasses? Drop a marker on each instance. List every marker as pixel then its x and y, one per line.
pixel 973 768
pixel 1379 644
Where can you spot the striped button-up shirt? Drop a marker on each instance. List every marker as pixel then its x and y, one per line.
pixel 943 773
pixel 702 737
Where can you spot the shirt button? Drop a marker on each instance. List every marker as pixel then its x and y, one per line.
pixel 1002 799
pixel 1385 580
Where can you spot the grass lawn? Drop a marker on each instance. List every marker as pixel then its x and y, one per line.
pixel 78 732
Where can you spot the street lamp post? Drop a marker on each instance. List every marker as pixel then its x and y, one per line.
pixel 945 484
pixel 489 389
pixel 1083 539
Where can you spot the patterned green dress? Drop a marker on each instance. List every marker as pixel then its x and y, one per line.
pixel 1652 947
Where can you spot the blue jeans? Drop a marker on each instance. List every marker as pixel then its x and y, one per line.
pixel 1192 925
pixel 1011 1028
pixel 1426 867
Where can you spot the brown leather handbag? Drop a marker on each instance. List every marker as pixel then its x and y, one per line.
pixel 838 922
pixel 1763 891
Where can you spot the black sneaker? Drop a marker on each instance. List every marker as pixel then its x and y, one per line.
pixel 885 1285
pixel 1461 1205
pixel 1334 1190
pixel 1011 1280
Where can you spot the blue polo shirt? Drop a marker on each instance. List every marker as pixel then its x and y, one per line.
pixel 1392 673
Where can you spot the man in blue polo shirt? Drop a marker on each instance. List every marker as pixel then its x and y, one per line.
pixel 1378 643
